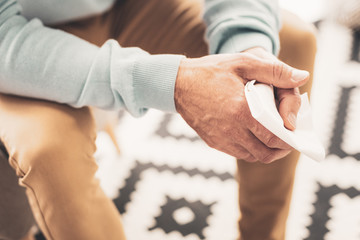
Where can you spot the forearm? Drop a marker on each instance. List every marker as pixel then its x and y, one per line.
pixel 237 25
pixel 36 61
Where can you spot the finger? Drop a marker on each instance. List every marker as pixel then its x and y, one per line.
pixel 262 133
pixel 259 150
pixel 250 159
pixel 275 155
pixel 270 71
pixel 245 155
pixel 232 148
pixel 289 105
pixel 237 151
pixel 266 137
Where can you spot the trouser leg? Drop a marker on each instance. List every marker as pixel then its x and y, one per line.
pixel 51 148
pixel 156 26
pixel 265 190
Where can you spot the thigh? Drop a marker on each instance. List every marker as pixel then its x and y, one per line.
pixel 26 124
pixel 298 45
pixel 157 26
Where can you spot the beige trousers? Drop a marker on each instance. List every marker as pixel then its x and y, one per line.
pixel 51 146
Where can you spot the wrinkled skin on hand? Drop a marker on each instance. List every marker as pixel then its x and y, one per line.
pixel 209 95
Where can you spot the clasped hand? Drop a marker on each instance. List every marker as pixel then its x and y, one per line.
pixel 209 95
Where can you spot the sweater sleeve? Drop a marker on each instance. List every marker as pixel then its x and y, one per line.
pixel 40 62
pixel 236 25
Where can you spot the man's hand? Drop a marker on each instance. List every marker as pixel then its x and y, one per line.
pixel 209 95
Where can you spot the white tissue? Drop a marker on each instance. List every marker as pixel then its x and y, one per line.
pixel 260 98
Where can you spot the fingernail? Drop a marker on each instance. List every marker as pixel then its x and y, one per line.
pixel 299 75
pixel 292 119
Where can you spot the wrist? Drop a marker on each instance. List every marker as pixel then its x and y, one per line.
pixel 181 84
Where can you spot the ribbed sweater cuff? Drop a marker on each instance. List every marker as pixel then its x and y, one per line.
pixel 154 81
pixel 243 41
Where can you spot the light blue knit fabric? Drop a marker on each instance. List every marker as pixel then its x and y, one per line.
pixel 236 25
pixel 36 61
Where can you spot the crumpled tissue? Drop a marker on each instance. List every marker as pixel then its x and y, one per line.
pixel 261 101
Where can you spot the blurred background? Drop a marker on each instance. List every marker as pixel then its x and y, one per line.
pixel 168 184
pixel 308 10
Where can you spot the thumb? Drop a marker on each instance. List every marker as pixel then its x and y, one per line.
pixel 272 71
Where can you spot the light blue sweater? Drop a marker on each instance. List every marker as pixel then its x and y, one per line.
pixel 36 61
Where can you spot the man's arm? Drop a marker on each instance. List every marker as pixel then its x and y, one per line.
pixel 39 62
pixel 237 25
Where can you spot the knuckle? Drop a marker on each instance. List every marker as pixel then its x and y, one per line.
pixel 272 141
pixel 267 156
pixel 247 62
pixel 268 138
pixel 250 159
pixel 278 69
pixel 268 159
pixel 240 152
pixel 258 129
pixel 244 115
pixel 275 142
pixel 238 113
pixel 245 155
pixel 275 155
pixel 228 132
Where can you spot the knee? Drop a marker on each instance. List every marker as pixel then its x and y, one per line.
pixel 297 38
pixel 53 147
pixel 58 154
pixel 303 39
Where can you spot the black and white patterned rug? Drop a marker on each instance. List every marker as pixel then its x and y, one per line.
pixel 169 185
